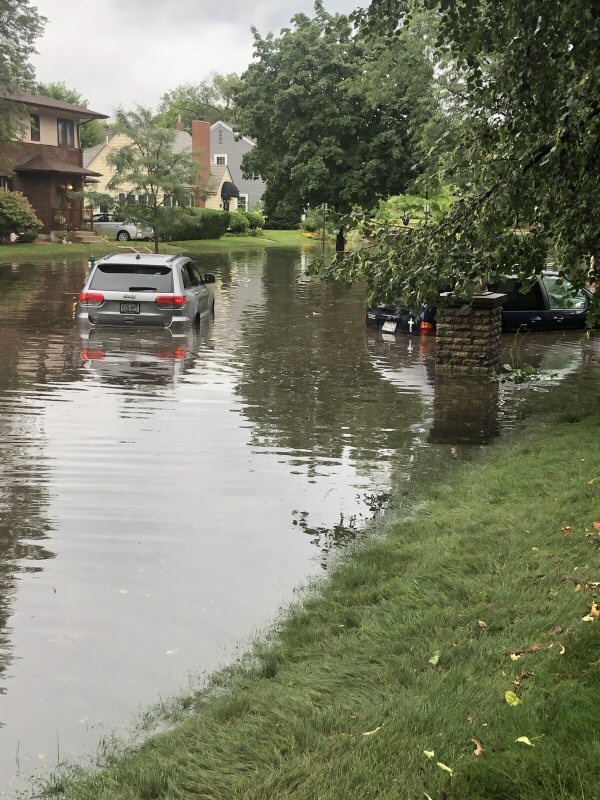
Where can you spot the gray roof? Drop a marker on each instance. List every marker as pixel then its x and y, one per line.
pixel 41 164
pixel 42 101
pixel 90 153
pixel 217 173
pixel 182 143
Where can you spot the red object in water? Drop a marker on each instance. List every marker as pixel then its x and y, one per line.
pixel 427 329
pixel 92 355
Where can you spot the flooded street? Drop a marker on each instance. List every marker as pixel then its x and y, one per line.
pixel 161 497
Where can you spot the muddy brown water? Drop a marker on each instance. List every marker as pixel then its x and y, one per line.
pixel 162 497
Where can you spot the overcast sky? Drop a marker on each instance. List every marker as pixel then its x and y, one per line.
pixel 123 52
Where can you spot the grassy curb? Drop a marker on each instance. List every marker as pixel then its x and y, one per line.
pixel 26 252
pixel 409 648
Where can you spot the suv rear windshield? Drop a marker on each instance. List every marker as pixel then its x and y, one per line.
pixel 132 278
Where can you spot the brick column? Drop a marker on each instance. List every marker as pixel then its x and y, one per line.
pixel 469 336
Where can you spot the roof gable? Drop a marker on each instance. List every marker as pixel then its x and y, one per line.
pixel 227 127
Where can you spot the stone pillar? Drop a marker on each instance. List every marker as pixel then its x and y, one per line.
pixel 469 336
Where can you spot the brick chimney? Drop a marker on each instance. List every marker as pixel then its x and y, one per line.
pixel 201 155
pixel 179 126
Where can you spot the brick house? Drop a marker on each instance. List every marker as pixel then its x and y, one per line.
pixel 46 165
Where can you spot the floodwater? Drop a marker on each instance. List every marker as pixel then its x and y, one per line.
pixel 161 498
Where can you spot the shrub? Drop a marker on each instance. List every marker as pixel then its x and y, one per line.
pixel 17 216
pixel 255 219
pixel 183 223
pixel 281 217
pixel 313 221
pixel 239 222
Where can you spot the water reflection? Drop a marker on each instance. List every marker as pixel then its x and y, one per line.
pixel 472 411
pixel 137 358
pixel 465 412
pixel 161 496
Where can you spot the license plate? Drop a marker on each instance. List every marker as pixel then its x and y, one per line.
pixel 130 308
pixel 389 326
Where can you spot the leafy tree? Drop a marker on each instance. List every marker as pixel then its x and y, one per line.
pixel 148 167
pixel 20 26
pixel 210 100
pixel 91 132
pixel 528 77
pixel 17 216
pixel 335 115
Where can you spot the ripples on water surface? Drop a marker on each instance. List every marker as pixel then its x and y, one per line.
pixel 161 497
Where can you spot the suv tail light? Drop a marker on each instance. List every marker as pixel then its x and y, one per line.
pixel 91 298
pixel 171 300
pixel 427 329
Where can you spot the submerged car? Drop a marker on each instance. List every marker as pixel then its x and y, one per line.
pixel 122 230
pixel 551 303
pixel 138 289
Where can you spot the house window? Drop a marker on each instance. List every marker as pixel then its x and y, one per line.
pixel 66 133
pixel 220 135
pixel 221 160
pixel 35 127
pixel 242 203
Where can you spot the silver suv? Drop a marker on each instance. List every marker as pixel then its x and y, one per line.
pixel 137 289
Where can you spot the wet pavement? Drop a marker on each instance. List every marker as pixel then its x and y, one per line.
pixel 161 497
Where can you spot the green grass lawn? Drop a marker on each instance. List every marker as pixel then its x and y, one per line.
pixel 390 680
pixel 26 252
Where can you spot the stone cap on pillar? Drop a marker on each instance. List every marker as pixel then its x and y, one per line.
pixel 489 300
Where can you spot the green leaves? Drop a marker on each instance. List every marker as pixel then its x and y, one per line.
pixel 332 112
pixel 518 83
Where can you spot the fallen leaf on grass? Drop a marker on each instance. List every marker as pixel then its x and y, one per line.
pixel 481 623
pixel 525 740
pixel 592 481
pixel 515 656
pixel 596 525
pixel 593 615
pixel 535 648
pixel 429 753
pixel 478 747
pixel 566 530
pixel 578 587
pixel 562 649
pixel 445 767
pixel 435 658
pixel 428 796
pixel 370 733
pixel 512 699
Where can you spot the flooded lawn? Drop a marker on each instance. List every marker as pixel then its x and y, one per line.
pixel 161 497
